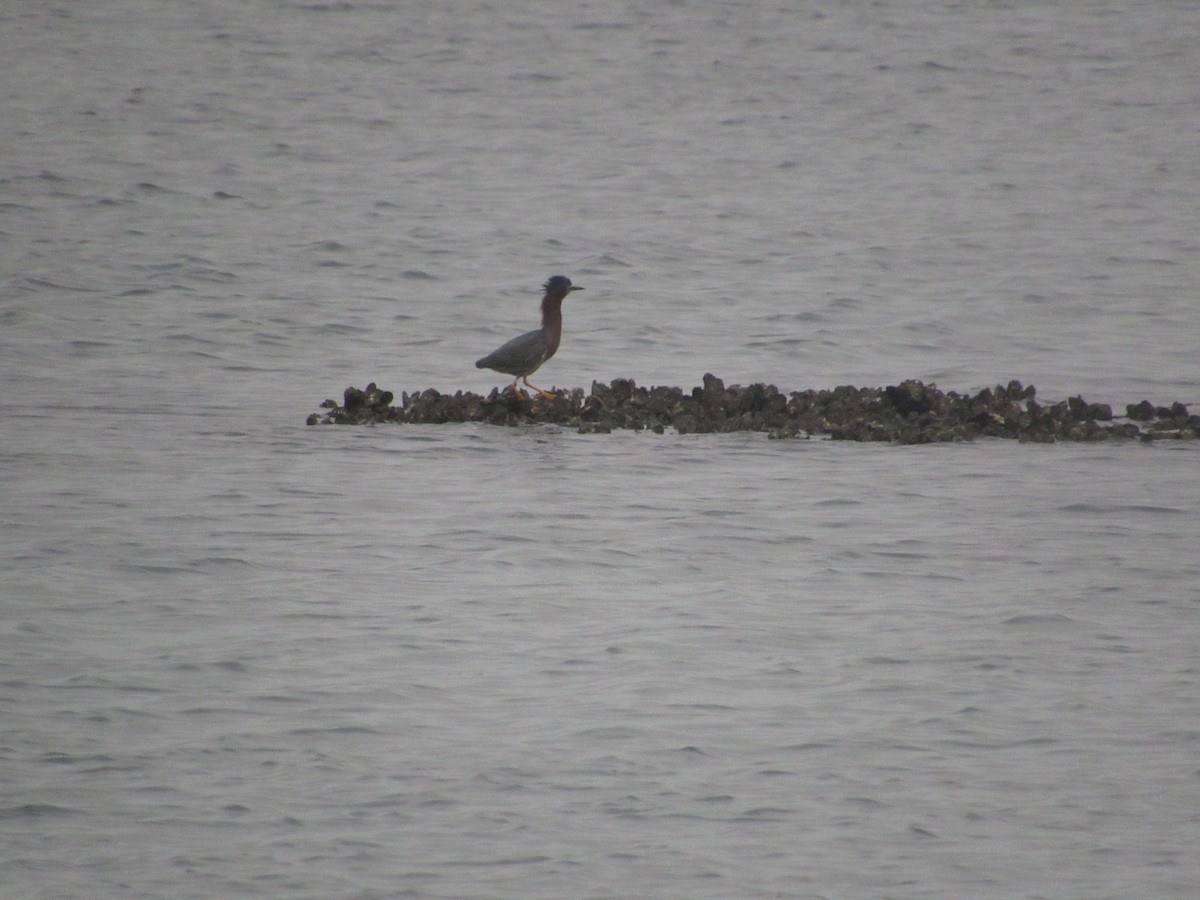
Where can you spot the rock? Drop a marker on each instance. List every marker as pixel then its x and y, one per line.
pixel 911 398
pixel 1140 412
pixel 1176 411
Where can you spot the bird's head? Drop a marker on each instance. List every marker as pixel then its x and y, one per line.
pixel 560 285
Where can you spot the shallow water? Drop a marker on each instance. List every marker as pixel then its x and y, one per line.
pixel 242 657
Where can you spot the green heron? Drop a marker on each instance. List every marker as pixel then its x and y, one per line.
pixel 522 356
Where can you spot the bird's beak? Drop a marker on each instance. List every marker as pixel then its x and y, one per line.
pixel 576 287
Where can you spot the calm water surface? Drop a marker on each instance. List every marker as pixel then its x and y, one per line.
pixel 242 657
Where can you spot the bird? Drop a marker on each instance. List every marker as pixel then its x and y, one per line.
pixel 524 355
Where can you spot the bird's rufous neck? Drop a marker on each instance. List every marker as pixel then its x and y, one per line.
pixel 552 319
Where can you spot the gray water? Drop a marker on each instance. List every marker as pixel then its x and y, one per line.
pixel 244 657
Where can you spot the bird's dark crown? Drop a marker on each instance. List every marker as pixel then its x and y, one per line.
pixel 557 283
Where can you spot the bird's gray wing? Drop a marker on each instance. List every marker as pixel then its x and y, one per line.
pixel 520 356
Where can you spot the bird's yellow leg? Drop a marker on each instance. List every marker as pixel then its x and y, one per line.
pixel 517 392
pixel 541 392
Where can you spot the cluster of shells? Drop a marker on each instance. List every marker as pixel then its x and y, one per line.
pixel 908 413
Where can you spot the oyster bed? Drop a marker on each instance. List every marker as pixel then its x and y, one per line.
pixel 907 413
